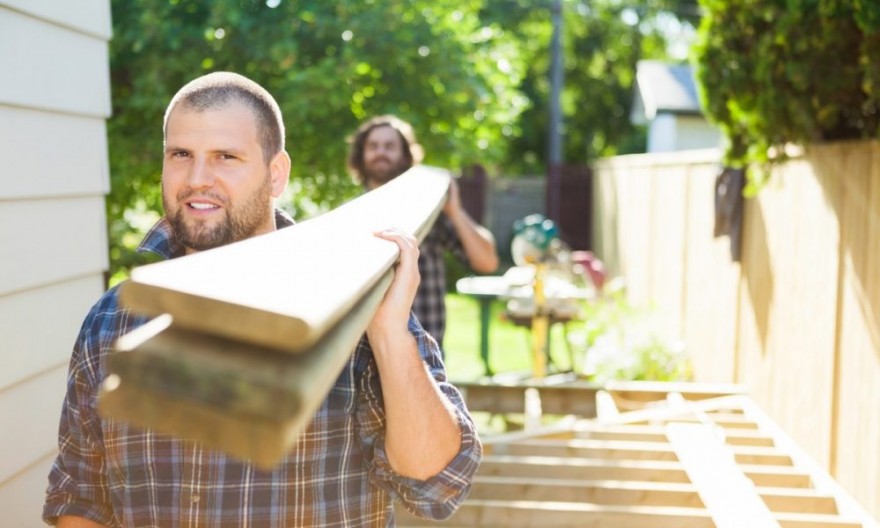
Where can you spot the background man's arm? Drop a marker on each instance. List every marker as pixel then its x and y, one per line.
pixel 477 241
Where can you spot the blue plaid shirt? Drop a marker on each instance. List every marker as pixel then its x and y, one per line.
pixel 336 475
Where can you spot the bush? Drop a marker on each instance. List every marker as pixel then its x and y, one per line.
pixel 621 342
pixel 773 72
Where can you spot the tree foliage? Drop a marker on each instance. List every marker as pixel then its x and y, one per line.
pixel 603 40
pixel 471 75
pixel 329 65
pixel 774 72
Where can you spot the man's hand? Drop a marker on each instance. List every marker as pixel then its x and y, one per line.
pixel 422 433
pixel 393 313
pixel 453 201
pixel 477 241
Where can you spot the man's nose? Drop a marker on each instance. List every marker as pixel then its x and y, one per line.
pixel 200 174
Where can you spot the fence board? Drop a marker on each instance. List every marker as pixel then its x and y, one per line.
pixel 710 284
pixel 801 309
pixel 858 426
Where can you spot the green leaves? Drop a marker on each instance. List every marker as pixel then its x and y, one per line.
pixel 470 75
pixel 330 64
pixel 799 71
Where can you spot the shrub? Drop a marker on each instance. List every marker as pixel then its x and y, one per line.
pixel 773 72
pixel 621 342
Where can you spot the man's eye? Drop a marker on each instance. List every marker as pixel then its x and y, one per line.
pixel 227 156
pixel 180 154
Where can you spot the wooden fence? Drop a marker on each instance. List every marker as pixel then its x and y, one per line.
pixel 797 319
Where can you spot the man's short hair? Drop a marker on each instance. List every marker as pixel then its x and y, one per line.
pixel 412 151
pixel 218 89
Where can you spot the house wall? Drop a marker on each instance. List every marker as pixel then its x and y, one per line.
pixel 670 132
pixel 54 100
pixel 796 320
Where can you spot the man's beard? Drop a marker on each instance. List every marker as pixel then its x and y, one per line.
pixel 374 177
pixel 240 221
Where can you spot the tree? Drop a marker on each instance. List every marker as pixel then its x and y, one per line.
pixel 802 71
pixel 603 41
pixel 329 65
pixel 471 75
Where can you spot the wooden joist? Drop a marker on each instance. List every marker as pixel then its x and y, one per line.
pixel 695 457
pixel 558 396
pixel 552 514
pixel 624 449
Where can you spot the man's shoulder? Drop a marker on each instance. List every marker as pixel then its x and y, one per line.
pixel 108 318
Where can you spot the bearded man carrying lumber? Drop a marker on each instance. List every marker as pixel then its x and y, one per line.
pixel 391 428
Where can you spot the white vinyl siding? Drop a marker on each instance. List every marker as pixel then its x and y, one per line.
pixel 54 102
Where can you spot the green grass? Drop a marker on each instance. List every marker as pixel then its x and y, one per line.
pixel 509 345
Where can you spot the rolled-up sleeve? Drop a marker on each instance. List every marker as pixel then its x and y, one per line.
pixel 77 481
pixel 439 496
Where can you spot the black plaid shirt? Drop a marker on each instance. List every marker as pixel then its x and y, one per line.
pixel 429 305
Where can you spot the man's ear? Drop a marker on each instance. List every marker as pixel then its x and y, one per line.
pixel 279 172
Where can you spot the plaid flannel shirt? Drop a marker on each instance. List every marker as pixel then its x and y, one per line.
pixel 336 475
pixel 430 304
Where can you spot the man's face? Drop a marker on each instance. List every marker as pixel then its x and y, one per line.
pixel 216 186
pixel 384 159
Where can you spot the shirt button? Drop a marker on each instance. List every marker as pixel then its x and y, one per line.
pixel 194 498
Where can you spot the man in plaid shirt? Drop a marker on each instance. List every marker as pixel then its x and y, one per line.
pixel 385 147
pixel 391 429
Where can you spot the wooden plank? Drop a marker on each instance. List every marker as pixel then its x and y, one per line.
pixel 488 513
pixel 667 225
pixel 590 469
pixel 212 366
pixel 78 165
pixel 734 420
pixel 493 513
pixel 729 496
pixel 247 401
pixel 797 500
pixel 647 470
pixel 48 57
pixel 821 480
pixel 634 493
pixel 559 430
pixel 787 307
pixel 675 410
pixel 810 520
pixel 30 259
pixel 566 398
pixel 24 317
pixel 655 433
pixel 637 493
pixel 855 459
pixel 711 284
pixel 630 450
pixel 626 464
pixel 292 314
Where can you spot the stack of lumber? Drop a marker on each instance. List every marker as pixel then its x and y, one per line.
pixel 654 456
pixel 247 339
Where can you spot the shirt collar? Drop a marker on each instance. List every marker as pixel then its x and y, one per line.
pixel 160 239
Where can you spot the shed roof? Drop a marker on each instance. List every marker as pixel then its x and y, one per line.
pixel 664 88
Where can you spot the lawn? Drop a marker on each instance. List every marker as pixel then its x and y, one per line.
pixel 509 345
